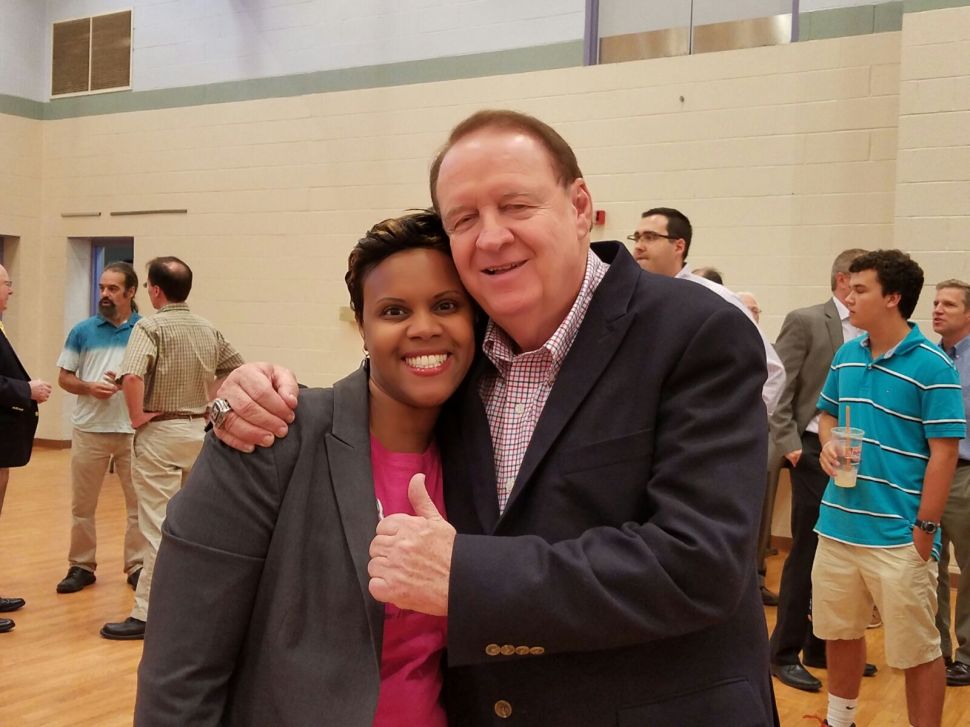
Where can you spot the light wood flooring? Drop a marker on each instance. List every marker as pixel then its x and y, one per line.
pixel 55 670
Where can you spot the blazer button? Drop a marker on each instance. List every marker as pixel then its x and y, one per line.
pixel 521 650
pixel 493 650
pixel 507 650
pixel 537 651
pixel 503 709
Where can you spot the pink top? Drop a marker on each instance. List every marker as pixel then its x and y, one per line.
pixel 413 642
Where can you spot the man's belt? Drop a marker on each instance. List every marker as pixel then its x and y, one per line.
pixel 169 415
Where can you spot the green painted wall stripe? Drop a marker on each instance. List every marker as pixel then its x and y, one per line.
pixel 16 106
pixel 835 23
pixel 538 58
pixel 917 6
pixel 888 17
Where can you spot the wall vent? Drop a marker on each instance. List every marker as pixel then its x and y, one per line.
pixel 91 55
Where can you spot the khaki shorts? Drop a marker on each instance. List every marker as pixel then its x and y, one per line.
pixel 848 579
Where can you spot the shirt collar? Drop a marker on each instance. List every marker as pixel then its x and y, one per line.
pixel 960 346
pixel 912 340
pixel 840 307
pixel 173 306
pixel 500 348
pixel 132 319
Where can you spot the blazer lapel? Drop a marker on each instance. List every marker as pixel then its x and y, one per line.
pixel 348 451
pixel 603 328
pixel 834 326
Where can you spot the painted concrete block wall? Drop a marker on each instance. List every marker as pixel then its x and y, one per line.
pixel 933 189
pixel 28 322
pixel 23 43
pixel 192 42
pixel 782 156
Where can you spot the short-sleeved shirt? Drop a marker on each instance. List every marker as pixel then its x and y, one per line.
pixel 94 347
pixel 903 398
pixel 179 355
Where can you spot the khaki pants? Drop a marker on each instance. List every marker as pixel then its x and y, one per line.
pixel 848 579
pixel 164 453
pixel 91 453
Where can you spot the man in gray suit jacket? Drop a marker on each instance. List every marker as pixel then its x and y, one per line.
pixel 808 340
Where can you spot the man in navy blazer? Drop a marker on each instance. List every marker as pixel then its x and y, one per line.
pixel 603 467
pixel 19 396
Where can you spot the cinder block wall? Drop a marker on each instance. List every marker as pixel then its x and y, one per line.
pixel 933 158
pixel 782 156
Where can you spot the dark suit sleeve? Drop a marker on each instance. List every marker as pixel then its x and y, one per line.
pixel 793 347
pixel 14 392
pixel 683 569
pixel 15 389
pixel 215 537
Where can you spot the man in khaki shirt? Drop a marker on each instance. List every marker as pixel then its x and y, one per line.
pixel 174 361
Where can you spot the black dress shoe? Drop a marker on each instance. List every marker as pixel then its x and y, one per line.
pixel 76 579
pixel 6 624
pixel 958 674
pixel 11 604
pixel 768 598
pixel 133 579
pixel 870 670
pixel 796 676
pixel 127 630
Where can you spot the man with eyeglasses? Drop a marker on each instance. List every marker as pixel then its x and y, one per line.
pixel 660 245
pixel 19 397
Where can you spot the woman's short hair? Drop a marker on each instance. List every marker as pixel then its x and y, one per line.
pixel 415 230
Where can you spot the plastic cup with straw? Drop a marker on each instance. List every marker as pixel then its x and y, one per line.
pixel 848 440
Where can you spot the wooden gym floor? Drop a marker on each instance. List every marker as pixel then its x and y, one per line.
pixel 55 670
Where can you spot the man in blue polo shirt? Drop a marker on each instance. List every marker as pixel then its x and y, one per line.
pixel 92 355
pixel 879 540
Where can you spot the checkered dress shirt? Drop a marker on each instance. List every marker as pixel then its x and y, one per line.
pixel 516 393
pixel 179 355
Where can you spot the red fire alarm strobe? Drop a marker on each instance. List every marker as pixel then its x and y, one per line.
pixel 599 217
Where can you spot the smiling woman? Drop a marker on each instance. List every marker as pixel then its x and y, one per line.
pixel 262 613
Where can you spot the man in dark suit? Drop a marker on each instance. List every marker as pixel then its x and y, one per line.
pixel 19 396
pixel 808 340
pixel 598 465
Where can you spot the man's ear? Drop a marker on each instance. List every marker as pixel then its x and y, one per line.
pixel 680 245
pixel 582 202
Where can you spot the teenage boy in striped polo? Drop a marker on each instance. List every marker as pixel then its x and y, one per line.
pixel 879 541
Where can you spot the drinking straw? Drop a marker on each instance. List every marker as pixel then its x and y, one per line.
pixel 848 425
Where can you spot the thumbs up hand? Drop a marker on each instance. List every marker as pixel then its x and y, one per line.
pixel 410 562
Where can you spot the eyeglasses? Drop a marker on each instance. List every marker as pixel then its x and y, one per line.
pixel 8 283
pixel 649 236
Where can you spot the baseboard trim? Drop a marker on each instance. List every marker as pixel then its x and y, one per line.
pixel 53 443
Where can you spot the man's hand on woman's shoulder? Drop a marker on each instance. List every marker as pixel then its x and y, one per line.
pixel 263 398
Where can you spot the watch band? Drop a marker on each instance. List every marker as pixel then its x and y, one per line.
pixel 926 526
